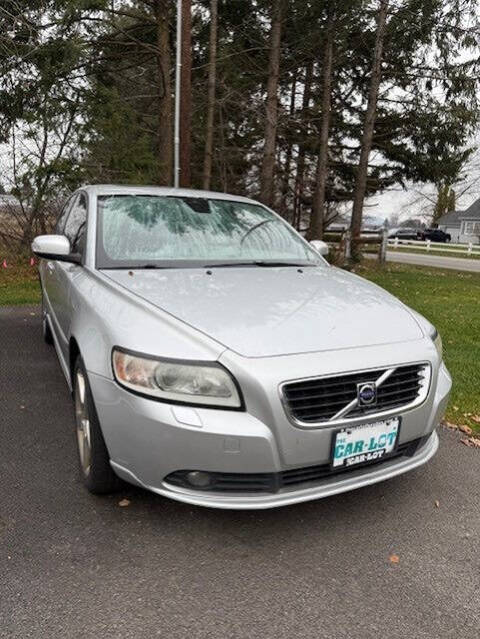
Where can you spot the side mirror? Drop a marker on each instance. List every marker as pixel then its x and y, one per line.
pixel 320 246
pixel 54 247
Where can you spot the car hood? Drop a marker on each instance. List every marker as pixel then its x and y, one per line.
pixel 260 312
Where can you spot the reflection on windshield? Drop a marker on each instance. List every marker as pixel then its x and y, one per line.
pixel 154 229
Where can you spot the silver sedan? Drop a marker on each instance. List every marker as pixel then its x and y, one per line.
pixel 216 358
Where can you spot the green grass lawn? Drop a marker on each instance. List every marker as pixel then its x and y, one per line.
pixel 19 284
pixel 451 301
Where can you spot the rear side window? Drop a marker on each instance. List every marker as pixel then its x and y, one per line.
pixel 76 225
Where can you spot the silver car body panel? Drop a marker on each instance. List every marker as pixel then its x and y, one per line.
pixel 365 477
pixel 267 326
pixel 257 312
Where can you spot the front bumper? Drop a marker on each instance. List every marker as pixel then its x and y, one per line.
pixel 148 440
pixel 342 483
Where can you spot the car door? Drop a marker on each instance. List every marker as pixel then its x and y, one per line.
pixel 63 273
pixel 47 267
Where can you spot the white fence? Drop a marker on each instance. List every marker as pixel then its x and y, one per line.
pixel 468 250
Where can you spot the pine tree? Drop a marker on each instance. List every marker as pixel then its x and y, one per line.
pixel 271 106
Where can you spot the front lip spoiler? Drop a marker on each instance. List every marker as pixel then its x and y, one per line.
pixel 259 502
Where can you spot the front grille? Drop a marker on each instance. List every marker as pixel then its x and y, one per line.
pixel 273 482
pixel 313 401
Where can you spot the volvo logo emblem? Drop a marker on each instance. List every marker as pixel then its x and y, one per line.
pixel 367 394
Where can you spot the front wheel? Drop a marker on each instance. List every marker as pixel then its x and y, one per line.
pixel 97 474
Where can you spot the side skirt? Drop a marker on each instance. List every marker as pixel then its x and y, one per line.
pixel 63 364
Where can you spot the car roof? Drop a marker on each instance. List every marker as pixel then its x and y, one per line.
pixel 118 189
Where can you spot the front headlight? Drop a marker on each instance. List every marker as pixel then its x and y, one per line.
pixel 175 381
pixel 437 340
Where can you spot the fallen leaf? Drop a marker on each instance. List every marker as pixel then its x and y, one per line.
pixel 451 426
pixel 455 408
pixel 124 502
pixel 475 418
pixel 394 559
pixel 465 429
pixel 471 442
pixel 437 503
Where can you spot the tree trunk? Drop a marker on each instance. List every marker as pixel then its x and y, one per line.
pixel 315 231
pixel 299 179
pixel 368 127
pixel 212 77
pixel 186 95
pixel 268 162
pixel 165 133
pixel 223 155
pixel 288 155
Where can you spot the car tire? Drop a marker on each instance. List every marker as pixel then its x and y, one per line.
pixel 46 330
pixel 94 460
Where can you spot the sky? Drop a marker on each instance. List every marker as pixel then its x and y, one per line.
pixel 410 202
pixel 389 203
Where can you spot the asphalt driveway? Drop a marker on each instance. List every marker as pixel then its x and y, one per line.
pixel 73 565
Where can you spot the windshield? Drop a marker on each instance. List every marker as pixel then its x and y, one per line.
pixel 158 231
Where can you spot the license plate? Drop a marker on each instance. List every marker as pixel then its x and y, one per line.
pixel 365 443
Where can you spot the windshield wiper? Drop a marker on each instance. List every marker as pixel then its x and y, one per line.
pixel 135 267
pixel 261 263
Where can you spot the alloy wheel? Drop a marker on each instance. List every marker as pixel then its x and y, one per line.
pixel 83 423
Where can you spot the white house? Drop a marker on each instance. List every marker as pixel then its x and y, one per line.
pixel 470 224
pixel 450 223
pixel 463 226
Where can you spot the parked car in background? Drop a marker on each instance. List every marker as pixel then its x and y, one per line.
pixel 216 358
pixel 405 233
pixel 435 235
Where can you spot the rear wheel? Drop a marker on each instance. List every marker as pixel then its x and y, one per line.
pixel 46 330
pixel 94 460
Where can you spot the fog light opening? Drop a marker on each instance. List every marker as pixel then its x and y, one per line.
pixel 199 479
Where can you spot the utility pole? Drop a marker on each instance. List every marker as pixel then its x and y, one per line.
pixel 178 70
pixel 186 93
